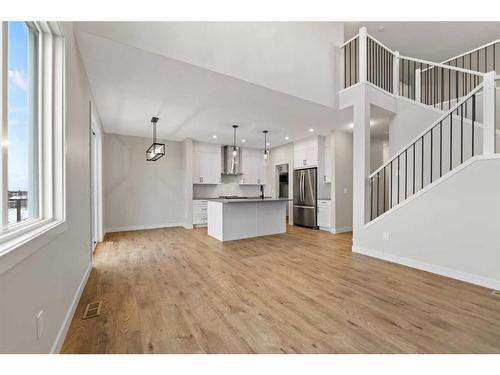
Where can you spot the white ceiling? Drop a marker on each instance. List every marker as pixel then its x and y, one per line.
pixel 131 85
pixel 434 41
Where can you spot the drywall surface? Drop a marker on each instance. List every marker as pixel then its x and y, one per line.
pixel 141 194
pixel 296 58
pixel 342 143
pixel 410 121
pixel 448 229
pixel 50 278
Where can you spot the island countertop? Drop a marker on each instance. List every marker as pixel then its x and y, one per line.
pixel 248 200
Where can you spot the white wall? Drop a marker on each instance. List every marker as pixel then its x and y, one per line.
pixel 410 120
pixel 49 279
pixel 296 58
pixel 342 146
pixel 377 150
pixel 448 229
pixel 138 193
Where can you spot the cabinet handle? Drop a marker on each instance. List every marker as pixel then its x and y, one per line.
pixel 304 161
pixel 324 178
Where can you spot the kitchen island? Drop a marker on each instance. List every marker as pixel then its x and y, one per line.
pixel 234 219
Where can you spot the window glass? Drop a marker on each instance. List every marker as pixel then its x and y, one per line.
pixel 22 124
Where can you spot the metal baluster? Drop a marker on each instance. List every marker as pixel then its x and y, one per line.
pixel 406 173
pixel 440 148
pixel 345 67
pixel 413 184
pixel 398 177
pixel 461 134
pixel 356 60
pixel 378 193
pixel 384 189
pixel 473 119
pixel 432 143
pixel 390 188
pixel 422 162
pixel 451 141
pixel 371 199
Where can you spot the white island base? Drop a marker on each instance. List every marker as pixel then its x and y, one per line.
pixel 236 219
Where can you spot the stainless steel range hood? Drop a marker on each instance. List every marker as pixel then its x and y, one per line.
pixel 231 161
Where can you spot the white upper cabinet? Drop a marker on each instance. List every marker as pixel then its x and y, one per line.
pixel 252 167
pixel 207 163
pixel 305 153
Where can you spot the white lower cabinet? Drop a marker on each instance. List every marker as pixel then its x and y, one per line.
pixel 200 217
pixel 324 214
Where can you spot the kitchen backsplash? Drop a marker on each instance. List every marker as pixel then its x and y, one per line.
pixel 230 186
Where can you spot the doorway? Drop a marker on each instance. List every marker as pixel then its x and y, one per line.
pixel 282 184
pixel 96 232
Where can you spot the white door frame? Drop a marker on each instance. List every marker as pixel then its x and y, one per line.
pixel 96 218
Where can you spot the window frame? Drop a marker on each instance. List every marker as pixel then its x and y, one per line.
pixel 21 239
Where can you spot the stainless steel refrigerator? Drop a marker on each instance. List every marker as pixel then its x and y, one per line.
pixel 305 197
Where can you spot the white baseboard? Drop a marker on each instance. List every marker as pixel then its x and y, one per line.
pixel 143 227
pixel 432 268
pixel 341 230
pixel 61 335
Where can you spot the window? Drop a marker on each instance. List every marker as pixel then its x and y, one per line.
pixel 22 124
pixel 31 134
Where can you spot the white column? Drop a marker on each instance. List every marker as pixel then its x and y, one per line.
pixel 361 163
pixel 395 74
pixel 489 91
pixel 417 85
pixel 362 63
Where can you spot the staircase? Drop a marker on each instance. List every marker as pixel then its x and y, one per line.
pixel 462 88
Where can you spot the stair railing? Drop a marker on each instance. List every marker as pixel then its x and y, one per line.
pixel 434 84
pixel 482 59
pixel 350 52
pixel 441 85
pixel 445 144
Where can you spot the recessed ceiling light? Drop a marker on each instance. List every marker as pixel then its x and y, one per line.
pixel 372 122
pixel 311 130
pixel 214 136
pixel 287 138
pixel 381 28
pixel 243 140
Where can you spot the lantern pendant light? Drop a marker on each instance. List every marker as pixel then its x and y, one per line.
pixel 156 150
pixel 266 151
pixel 235 148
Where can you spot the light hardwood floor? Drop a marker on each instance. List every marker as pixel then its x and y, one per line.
pixel 180 291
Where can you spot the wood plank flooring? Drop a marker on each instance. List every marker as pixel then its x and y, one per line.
pixel 181 291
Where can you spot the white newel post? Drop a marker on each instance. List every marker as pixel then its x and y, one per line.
pixel 363 36
pixel 489 92
pixel 395 74
pixel 417 85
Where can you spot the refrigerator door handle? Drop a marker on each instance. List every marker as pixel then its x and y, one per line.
pixel 302 187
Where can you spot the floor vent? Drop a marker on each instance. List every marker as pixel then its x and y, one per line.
pixel 496 293
pixel 92 310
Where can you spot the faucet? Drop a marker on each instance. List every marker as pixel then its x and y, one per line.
pixel 262 191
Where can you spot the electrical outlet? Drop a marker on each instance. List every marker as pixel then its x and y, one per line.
pixel 386 236
pixel 39 325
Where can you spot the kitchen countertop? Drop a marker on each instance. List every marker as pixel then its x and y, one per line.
pixel 248 200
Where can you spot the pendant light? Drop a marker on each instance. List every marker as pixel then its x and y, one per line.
pixel 235 149
pixel 156 150
pixel 266 151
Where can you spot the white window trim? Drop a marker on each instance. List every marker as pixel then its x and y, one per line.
pixel 21 240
